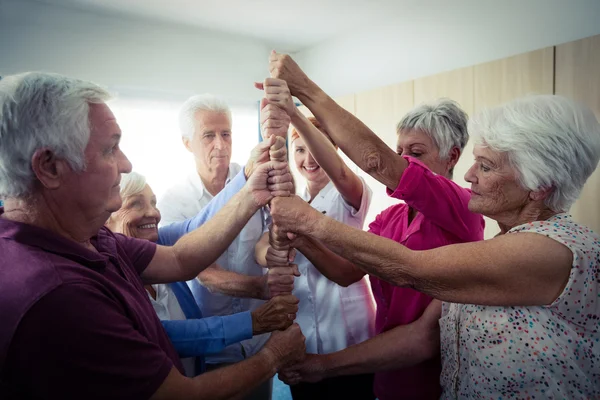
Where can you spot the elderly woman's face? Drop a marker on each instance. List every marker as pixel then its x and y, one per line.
pixel 495 190
pixel 138 217
pixel 417 144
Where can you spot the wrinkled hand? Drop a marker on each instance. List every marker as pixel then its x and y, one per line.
pixel 269 180
pixel 260 154
pixel 276 314
pixel 279 280
pixel 277 94
pixel 286 347
pixel 282 66
pixel 273 119
pixel 277 258
pixel 278 151
pixel 293 215
pixel 311 369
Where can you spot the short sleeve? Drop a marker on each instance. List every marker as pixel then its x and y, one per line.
pixel 84 349
pixel 439 199
pixel 365 201
pixel 139 251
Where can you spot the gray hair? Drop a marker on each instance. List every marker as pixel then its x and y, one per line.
pixel 41 110
pixel 132 184
pixel 551 142
pixel 443 120
pixel 201 102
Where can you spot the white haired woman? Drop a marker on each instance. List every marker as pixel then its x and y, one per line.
pixel 193 336
pixel 521 311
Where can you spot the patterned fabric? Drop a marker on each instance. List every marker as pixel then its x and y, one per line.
pixel 548 352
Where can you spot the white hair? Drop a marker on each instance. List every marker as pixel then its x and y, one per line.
pixel 443 120
pixel 551 142
pixel 132 184
pixel 201 102
pixel 41 110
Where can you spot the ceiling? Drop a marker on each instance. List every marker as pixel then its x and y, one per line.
pixel 290 25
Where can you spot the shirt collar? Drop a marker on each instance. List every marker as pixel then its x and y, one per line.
pixel 197 182
pixel 322 193
pixel 48 241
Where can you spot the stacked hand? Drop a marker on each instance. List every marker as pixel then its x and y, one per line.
pixel 276 314
pixel 287 347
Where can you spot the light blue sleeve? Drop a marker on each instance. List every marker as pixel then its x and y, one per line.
pixel 198 337
pixel 168 235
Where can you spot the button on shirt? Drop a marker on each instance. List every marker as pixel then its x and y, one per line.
pixel 443 218
pixel 333 317
pixel 184 201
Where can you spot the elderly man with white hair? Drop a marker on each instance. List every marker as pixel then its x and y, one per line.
pixel 236 282
pixel 76 320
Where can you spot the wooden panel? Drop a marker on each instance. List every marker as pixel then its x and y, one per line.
pixel 457 85
pixel 578 77
pixel 500 81
pixel 381 110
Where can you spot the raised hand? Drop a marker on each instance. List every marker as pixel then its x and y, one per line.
pixel 274 121
pixel 292 215
pixel 262 188
pixel 276 314
pixel 278 94
pixel 282 66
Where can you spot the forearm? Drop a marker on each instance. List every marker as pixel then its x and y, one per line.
pixel 231 382
pixel 200 248
pixel 355 139
pixel 331 265
pixel 260 250
pixel 375 255
pixel 218 280
pixel 197 337
pixel 168 235
pixel 401 347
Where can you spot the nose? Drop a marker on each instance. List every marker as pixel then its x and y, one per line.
pixel 152 212
pixel 219 142
pixel 470 176
pixel 309 160
pixel 124 164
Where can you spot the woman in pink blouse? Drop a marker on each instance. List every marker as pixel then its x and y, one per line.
pixel 434 213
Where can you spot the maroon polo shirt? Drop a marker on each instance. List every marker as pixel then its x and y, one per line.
pixel 77 324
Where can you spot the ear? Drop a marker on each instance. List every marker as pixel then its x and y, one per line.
pixel 453 158
pixel 187 142
pixel 541 194
pixel 48 169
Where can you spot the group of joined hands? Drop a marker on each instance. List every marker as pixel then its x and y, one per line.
pixel 270 182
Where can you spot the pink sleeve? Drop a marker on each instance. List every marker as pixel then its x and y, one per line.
pixel 439 199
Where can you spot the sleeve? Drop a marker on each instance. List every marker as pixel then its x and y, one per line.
pixel 365 201
pixel 139 251
pixel 77 343
pixel 439 199
pixel 168 235
pixel 375 226
pixel 198 337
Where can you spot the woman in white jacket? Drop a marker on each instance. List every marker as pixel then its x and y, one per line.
pixel 332 317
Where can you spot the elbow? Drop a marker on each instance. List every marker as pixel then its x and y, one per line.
pixel 372 163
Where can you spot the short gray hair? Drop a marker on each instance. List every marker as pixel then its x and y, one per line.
pixel 40 110
pixel 201 102
pixel 551 141
pixel 132 184
pixel 443 120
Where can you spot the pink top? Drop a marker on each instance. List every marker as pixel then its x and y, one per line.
pixel 443 218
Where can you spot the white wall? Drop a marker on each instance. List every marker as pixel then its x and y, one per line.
pixel 129 56
pixel 452 34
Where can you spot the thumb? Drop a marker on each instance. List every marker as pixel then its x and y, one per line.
pixel 295 270
pixel 259 85
pixel 263 102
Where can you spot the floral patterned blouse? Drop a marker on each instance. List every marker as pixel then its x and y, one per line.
pixel 548 352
